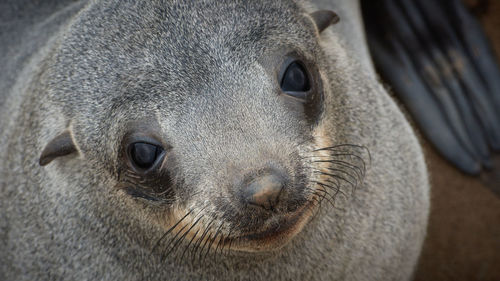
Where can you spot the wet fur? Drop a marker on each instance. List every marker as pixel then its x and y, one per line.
pixel 88 70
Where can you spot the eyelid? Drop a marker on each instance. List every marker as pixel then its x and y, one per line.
pixel 133 138
pixel 302 96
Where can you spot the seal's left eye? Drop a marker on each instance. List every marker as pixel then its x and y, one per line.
pixel 295 79
pixel 145 155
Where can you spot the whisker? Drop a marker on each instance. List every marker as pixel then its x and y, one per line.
pixel 344 145
pixel 200 240
pixel 164 256
pixel 170 230
pixel 326 196
pixel 315 198
pixel 223 238
pixel 213 240
pixel 317 203
pixel 200 255
pixel 335 188
pixel 337 176
pixel 230 240
pixel 184 235
pixel 359 172
pixel 362 161
pixel 189 244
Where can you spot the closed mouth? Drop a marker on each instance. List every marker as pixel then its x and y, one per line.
pixel 279 232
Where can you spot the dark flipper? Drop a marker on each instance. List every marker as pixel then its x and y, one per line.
pixel 477 46
pixel 481 99
pixel 463 115
pixel 422 55
pixel 422 104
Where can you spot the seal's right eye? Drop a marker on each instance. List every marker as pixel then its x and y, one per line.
pixel 145 156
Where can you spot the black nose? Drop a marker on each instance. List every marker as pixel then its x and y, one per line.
pixel 264 191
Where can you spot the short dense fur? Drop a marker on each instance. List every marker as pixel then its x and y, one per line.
pixel 202 75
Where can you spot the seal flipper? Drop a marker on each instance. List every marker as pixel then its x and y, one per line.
pixel 433 74
pixel 421 103
pixel 480 98
pixel 404 62
pixel 59 146
pixel 449 81
pixel 457 106
pixel 478 48
pixel 430 65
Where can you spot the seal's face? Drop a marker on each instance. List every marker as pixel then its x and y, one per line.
pixel 211 121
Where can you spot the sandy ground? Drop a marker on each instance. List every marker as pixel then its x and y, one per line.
pixel 463 241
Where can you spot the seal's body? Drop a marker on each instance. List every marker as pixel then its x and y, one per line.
pixel 245 140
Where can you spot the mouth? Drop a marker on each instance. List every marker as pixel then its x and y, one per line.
pixel 277 233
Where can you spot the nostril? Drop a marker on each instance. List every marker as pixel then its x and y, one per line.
pixel 264 191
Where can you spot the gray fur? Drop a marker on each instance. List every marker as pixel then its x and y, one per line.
pixel 201 72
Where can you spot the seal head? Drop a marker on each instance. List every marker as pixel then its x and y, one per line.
pixel 219 140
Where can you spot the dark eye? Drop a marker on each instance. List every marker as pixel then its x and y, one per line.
pixel 144 155
pixel 295 78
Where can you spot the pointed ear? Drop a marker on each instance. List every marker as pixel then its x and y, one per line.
pixel 59 146
pixel 324 18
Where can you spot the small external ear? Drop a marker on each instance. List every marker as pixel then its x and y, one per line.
pixel 59 146
pixel 324 18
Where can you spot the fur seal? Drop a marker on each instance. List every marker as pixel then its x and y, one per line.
pixel 207 140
